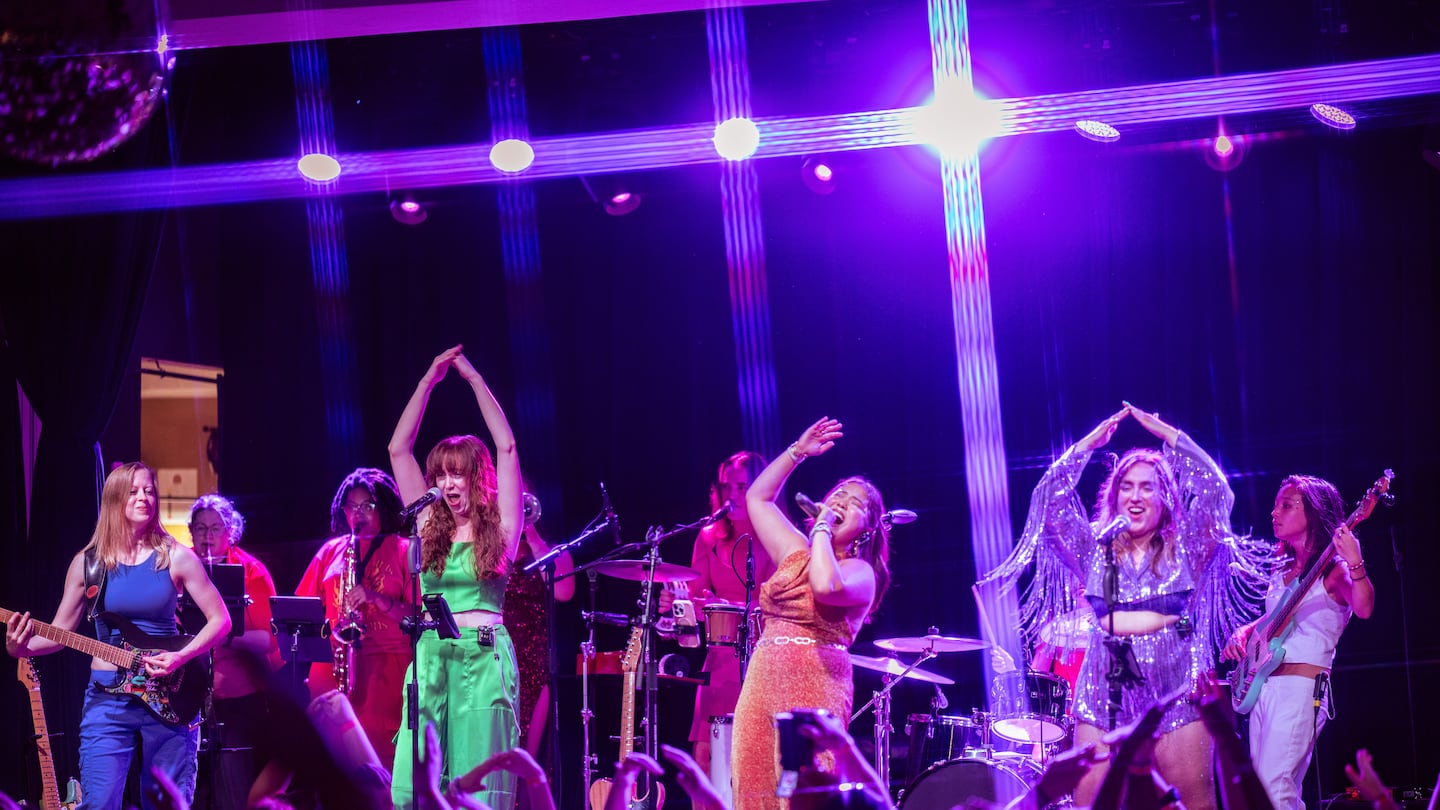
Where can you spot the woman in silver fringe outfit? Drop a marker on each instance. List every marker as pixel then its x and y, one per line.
pixel 1183 583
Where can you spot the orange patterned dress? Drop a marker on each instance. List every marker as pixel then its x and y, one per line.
pixel 801 661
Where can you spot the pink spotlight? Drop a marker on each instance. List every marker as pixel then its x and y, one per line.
pixel 818 175
pixel 621 203
pixel 1223 146
pixel 408 211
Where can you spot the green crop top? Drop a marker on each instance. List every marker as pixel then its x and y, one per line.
pixel 462 591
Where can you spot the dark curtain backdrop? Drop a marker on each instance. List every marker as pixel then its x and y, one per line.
pixel 1110 279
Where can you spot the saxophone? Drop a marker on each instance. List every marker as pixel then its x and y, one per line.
pixel 350 629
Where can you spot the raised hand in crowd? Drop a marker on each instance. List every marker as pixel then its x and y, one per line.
pixel 1368 783
pixel 1240 786
pixel 703 795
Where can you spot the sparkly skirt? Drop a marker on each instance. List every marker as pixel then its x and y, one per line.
pixel 1167 660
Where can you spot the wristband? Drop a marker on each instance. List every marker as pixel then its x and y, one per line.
pixel 794 452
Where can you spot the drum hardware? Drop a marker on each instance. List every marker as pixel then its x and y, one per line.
pixel 722 727
pixel 932 642
pixel 998 779
pixel 1030 707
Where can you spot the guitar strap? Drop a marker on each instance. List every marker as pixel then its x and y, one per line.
pixel 95 582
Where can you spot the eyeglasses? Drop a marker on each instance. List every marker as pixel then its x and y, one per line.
pixel 201 531
pixel 359 508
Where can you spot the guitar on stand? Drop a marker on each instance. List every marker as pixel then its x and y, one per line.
pixel 1265 649
pixel 49 788
pixel 654 798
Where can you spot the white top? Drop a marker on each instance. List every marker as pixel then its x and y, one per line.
pixel 1319 621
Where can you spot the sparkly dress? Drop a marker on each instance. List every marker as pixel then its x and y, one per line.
pixel 525 619
pixel 801 661
pixel 1207 576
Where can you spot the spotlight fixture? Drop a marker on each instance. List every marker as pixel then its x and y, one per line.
pixel 1332 116
pixel 1097 131
pixel 818 174
pixel 512 155
pixel 621 201
pixel 407 210
pixel 318 167
pixel 736 138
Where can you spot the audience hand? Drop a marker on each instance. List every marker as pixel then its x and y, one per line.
pixel 1368 783
pixel 703 795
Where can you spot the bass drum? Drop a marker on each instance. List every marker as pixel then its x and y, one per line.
pixel 998 780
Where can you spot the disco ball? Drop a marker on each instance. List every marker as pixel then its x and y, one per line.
pixel 77 78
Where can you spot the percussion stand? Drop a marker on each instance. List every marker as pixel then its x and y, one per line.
pixel 742 634
pixel 881 701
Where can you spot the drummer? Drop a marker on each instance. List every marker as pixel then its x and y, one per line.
pixel 1061 644
pixel 721 550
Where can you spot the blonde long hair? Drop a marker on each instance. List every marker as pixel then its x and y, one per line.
pixel 113 533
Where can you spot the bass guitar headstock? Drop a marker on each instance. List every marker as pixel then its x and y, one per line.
pixel 1377 493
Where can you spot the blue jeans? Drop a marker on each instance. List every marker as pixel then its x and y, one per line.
pixel 110 727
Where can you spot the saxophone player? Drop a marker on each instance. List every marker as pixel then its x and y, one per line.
pixel 362 578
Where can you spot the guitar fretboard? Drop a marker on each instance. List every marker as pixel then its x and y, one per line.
pixel 49 787
pixel 119 656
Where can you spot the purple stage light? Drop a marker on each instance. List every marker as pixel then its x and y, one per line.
pixel 818 175
pixel 1332 116
pixel 621 203
pixel 736 138
pixel 408 211
pixel 1097 131
pixel 1223 146
pixel 318 167
pixel 823 173
pixel 957 121
pixel 512 155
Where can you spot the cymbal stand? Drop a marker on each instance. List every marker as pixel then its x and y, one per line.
pixel 881 701
pixel 588 758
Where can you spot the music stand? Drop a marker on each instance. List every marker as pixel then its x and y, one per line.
pixel 301 619
pixel 229 580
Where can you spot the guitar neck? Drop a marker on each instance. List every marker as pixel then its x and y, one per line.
pixel 118 656
pixel 49 786
pixel 627 718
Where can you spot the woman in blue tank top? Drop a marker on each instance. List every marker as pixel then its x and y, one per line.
pixel 468 687
pixel 145 569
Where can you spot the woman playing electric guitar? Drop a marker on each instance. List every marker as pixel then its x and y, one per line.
pixel 144 569
pixel 1310 525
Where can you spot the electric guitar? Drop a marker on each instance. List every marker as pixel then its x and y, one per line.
pixel 600 789
pixel 175 698
pixel 49 791
pixel 1265 649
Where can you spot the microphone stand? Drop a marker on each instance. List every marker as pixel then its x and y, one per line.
pixel 1124 669
pixel 412 689
pixel 742 648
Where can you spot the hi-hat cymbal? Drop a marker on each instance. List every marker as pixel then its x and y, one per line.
pixel 890 666
pixel 639 570
pixel 931 643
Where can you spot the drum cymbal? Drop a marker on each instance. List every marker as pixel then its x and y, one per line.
pixel 931 643
pixel 890 666
pixel 639 570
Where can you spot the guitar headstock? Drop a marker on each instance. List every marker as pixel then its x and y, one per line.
pixel 29 675
pixel 630 662
pixel 1377 493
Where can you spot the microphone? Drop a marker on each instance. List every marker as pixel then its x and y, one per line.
pixel 900 516
pixel 1109 533
pixel 408 513
pixel 611 619
pixel 609 512
pixel 720 513
pixel 806 505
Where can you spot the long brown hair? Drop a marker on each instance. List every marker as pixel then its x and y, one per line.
pixel 873 545
pixel 1324 511
pixel 113 533
pixel 1107 506
pixel 468 457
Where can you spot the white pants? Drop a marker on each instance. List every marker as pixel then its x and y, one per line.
pixel 1283 728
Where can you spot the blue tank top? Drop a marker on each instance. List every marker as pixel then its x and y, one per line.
pixel 143 595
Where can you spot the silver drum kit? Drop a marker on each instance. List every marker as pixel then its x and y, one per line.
pixel 995 755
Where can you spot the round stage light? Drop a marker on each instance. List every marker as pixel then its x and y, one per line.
pixel 737 138
pixel 319 167
pixel 1098 131
pixel 1332 116
pixel 1223 146
pixel 512 155
pixel 408 211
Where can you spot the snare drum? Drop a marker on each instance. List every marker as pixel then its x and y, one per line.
pixel 1030 707
pixel 721 728
pixel 722 625
pixel 936 739
pixel 948 784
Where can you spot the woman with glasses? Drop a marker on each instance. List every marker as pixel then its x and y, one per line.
pixel 366 507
